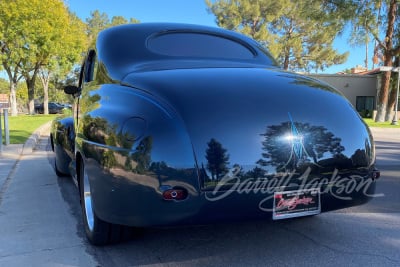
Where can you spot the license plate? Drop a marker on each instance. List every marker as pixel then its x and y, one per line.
pixel 297 203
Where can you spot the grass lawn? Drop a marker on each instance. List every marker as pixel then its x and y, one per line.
pixel 22 126
pixel 372 123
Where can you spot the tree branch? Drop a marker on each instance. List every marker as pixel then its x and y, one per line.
pixel 376 37
pixel 396 51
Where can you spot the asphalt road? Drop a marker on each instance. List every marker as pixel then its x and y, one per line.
pixel 40 225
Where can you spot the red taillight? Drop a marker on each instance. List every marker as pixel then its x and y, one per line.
pixel 175 194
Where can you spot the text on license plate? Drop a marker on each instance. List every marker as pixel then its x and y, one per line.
pixel 289 204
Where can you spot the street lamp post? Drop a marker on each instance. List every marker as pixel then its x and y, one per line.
pixel 394 121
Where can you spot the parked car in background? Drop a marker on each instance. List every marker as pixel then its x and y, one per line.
pixel 66 105
pixel 184 124
pixel 54 108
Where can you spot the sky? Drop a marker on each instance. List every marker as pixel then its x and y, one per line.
pixel 188 11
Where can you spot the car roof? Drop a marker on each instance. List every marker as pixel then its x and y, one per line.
pixel 126 48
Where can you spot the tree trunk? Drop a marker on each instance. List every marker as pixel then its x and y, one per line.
pixel 393 92
pixel 45 79
pixel 31 95
pixel 13 98
pixel 46 99
pixel 30 83
pixel 286 62
pixel 384 92
pixel 13 88
pixel 383 97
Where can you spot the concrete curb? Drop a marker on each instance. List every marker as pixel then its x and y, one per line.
pixel 385 130
pixel 33 139
pixel 389 134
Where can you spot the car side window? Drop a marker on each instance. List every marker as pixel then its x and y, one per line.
pixel 90 65
pixel 81 75
pixel 193 44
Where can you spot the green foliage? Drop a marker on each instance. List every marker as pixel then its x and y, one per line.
pixel 32 38
pixel 100 21
pixel 4 86
pixel 299 34
pixel 22 93
pixel 372 123
pixel 368 20
pixel 32 35
pixel 67 112
pixel 118 20
pixel 41 38
pixel 97 22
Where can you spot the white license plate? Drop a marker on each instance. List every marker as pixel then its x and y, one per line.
pixel 297 203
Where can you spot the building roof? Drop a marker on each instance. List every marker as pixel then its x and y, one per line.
pixel 4 98
pixel 370 72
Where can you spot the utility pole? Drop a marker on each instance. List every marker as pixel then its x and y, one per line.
pixel 1 135
pixel 396 106
pixel 6 128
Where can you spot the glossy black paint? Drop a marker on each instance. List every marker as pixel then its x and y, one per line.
pixel 62 138
pixel 235 129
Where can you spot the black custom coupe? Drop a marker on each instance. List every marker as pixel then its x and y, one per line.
pixel 183 124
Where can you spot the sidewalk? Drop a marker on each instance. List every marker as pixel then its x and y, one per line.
pixel 38 224
pixel 11 154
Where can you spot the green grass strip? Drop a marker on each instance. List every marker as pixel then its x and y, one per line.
pixel 22 126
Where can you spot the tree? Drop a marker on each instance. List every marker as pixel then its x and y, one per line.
pixel 393 88
pixel 100 21
pixel 32 39
pixel 69 52
pixel 142 156
pixel 217 159
pixel 22 96
pixel 389 51
pixel 299 34
pixel 306 144
pixel 11 46
pixel 381 15
pixel 360 34
pixel 118 20
pixel 97 22
pixel 305 34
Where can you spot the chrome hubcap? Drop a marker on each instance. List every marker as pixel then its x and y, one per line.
pixel 87 198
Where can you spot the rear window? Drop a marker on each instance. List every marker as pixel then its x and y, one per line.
pixel 185 44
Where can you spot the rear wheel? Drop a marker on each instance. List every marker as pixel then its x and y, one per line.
pixel 58 173
pixel 97 231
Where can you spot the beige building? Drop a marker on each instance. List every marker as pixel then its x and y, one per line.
pixel 361 90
